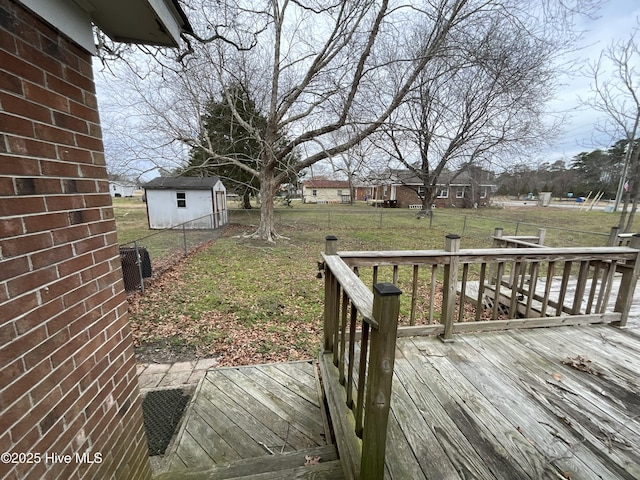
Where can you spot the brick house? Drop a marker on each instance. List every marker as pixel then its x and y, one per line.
pixel 68 382
pixel 461 190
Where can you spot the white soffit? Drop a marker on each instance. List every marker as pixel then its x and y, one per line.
pixel 151 22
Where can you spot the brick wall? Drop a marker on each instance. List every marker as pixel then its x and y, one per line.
pixel 67 372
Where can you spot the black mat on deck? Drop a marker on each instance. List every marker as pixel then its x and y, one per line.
pixel 162 410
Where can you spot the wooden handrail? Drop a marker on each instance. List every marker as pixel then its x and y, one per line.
pixel 361 433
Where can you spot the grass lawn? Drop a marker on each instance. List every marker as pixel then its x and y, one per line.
pixel 247 302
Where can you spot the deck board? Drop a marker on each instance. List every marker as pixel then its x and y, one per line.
pixel 249 412
pixel 502 405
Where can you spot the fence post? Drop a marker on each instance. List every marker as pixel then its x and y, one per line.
pixel 184 239
pixel 449 287
pixel 139 263
pixel 628 283
pixel 464 226
pixel 613 237
pixel 430 217
pixel 330 296
pixel 386 307
pixel 517 228
pixel 542 233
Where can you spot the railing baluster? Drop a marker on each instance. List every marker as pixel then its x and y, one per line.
pixel 496 296
pixel 479 302
pixel 533 282
pixel 515 272
pixel 594 285
pixel 362 371
pixel 414 295
pixel 563 287
pixel 628 283
pixel 463 290
pixel 581 285
pixel 343 334
pixel 375 275
pixel 395 275
pixel 432 292
pixel 607 293
pixel 547 289
pixel 352 349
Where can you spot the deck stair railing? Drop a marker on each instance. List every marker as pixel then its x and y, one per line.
pixel 358 381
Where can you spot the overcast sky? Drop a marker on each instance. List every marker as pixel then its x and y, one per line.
pixel 615 22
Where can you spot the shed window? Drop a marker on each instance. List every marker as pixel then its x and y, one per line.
pixel 314 193
pixel 181 198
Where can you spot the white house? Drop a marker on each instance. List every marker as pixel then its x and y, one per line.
pixel 172 201
pixel 325 191
pixel 117 189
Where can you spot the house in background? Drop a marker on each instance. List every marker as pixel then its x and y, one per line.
pixel 68 379
pixel 118 189
pixel 461 190
pixel 326 191
pixel 171 201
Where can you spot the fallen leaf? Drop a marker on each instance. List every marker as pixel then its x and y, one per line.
pixel 556 377
pixel 311 460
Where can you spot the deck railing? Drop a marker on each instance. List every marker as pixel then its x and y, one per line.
pixel 523 287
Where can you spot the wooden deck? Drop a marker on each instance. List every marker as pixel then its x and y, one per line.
pixel 505 405
pixel 255 419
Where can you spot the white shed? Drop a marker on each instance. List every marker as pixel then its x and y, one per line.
pixel 117 189
pixel 195 202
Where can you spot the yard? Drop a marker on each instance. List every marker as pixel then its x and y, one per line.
pixel 247 302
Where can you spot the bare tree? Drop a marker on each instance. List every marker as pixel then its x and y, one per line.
pixel 474 107
pixel 616 94
pixel 322 71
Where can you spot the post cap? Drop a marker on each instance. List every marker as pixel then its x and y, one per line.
pixel 330 237
pixel 386 289
pixel 453 236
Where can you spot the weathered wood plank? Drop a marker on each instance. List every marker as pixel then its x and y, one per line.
pixel 195 454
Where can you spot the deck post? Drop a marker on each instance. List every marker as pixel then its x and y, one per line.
pixel 449 287
pixel 628 284
pixel 386 308
pixel 330 297
pixel 613 237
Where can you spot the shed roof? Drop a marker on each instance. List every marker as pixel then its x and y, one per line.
pixel 183 183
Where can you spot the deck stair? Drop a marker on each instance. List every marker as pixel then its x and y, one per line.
pixel 254 422
pixel 290 465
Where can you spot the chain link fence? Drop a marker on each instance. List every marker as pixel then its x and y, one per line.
pixel 474 224
pixel 153 254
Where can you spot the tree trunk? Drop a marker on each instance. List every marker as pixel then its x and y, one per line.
pixel 629 226
pixel 623 214
pixel 246 200
pixel 427 199
pixel 268 186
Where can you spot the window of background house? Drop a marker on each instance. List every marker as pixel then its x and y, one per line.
pixel 314 193
pixel 181 198
pixel 421 191
pixel 483 193
pixel 460 192
pixel 443 192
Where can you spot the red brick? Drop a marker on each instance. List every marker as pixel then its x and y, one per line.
pixel 13 267
pixel 90 143
pixel 68 317
pixel 87 113
pixel 31 148
pixel 11 124
pixel 64 202
pixel 21 68
pixel 58 289
pixel 31 281
pixel 11 414
pixel 36 57
pixel 76 78
pixel 98 200
pixel 64 88
pixel 50 256
pixel 21 245
pixel 71 154
pixel 10 165
pixel 70 234
pixel 53 134
pixel 38 316
pixel 88 244
pixel 19 306
pixel 50 381
pixel 10 227
pixel 10 82
pixel 24 108
pixel 6 187
pixel 69 122
pixel 59 169
pixel 45 222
